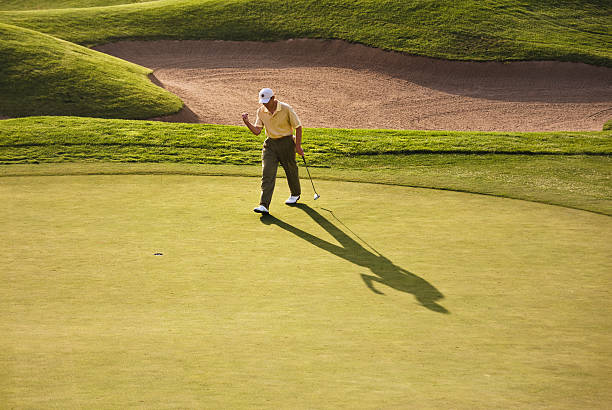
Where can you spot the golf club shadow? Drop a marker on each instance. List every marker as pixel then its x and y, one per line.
pixel 384 271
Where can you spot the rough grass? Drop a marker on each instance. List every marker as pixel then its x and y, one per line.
pixel 58 139
pixel 569 169
pixel 41 74
pixel 570 30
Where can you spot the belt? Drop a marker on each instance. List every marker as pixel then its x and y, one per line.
pixel 280 138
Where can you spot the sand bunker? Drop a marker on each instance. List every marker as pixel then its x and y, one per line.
pixel 332 83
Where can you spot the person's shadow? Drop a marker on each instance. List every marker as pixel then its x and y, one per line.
pixel 385 271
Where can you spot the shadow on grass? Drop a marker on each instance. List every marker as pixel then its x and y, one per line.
pixel 385 272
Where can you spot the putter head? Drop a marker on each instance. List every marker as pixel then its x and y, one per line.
pixel 316 196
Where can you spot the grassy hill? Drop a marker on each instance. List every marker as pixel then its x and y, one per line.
pixel 41 74
pixel 568 30
pixel 60 4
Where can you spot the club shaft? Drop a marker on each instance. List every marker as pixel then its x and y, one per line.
pixel 309 176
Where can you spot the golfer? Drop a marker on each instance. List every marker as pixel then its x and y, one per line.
pixel 280 122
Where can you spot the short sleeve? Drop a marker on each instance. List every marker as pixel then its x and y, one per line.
pixel 293 119
pixel 258 122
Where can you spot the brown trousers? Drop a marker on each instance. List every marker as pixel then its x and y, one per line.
pixel 274 151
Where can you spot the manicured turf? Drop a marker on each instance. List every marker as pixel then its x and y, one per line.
pixel 41 74
pixel 334 304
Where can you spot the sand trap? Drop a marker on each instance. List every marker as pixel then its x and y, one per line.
pixel 337 84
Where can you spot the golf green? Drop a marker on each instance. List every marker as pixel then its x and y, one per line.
pixel 169 292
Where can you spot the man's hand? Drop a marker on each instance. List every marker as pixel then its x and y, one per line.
pixel 298 141
pixel 255 130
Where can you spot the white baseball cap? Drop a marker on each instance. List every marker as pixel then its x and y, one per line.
pixel 265 94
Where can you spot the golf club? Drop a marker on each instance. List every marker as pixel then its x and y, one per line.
pixel 316 196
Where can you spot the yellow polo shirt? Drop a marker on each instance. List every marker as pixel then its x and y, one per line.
pixel 279 124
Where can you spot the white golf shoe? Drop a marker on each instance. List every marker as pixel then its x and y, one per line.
pixel 292 200
pixel 261 210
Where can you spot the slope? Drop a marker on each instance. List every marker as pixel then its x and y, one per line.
pixel 41 74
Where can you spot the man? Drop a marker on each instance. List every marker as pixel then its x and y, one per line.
pixel 280 122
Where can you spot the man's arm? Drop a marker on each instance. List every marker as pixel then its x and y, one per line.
pixel 298 141
pixel 255 130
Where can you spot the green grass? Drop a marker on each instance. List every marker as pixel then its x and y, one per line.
pixel 468 29
pixel 60 4
pixel 486 302
pixel 243 312
pixel 564 168
pixel 41 74
pixel 151 141
pixel 608 126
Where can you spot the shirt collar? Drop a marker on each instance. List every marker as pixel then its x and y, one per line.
pixel 279 107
